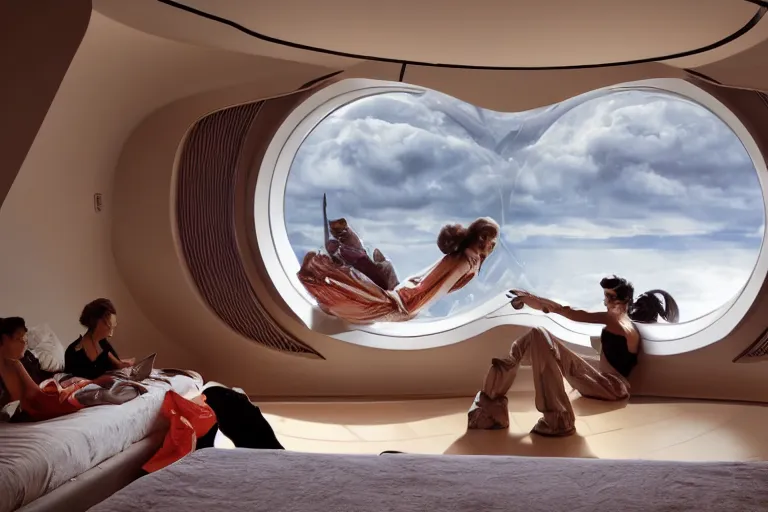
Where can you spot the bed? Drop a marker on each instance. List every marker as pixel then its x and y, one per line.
pixel 72 462
pixel 212 480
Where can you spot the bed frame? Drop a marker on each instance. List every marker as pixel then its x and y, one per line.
pixel 101 481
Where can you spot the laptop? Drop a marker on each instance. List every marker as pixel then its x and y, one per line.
pixel 140 370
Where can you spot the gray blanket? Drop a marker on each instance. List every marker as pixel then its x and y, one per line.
pixel 274 481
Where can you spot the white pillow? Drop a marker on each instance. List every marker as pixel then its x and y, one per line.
pixel 46 347
pixel 7 412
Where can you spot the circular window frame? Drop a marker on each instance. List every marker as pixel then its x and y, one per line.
pixel 281 263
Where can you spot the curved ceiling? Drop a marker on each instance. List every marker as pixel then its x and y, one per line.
pixel 161 20
pixel 485 33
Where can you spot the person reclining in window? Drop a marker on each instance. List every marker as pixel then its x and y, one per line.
pixel 552 360
pixel 346 248
pixel 347 293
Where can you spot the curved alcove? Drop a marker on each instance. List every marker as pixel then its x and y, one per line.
pixel 725 213
pixel 211 254
pixel 161 275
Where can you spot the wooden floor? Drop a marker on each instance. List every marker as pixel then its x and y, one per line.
pixel 641 429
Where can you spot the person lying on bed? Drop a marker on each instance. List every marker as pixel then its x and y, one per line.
pixel 58 395
pixel 91 355
pixel 31 365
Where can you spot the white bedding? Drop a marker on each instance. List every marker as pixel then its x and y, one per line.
pixel 241 480
pixel 36 458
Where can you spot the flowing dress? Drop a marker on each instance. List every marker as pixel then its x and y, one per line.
pixel 346 293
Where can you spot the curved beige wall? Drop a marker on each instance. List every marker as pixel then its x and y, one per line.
pixel 159 281
pixel 57 252
pixel 37 44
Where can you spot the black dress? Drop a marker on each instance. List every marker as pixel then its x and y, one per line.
pixel 77 363
pixel 617 352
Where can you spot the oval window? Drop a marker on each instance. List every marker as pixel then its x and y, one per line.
pixel 644 184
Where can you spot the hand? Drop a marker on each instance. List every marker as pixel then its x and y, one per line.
pixel 518 298
pixel 522 298
pixel 517 301
pixel 127 363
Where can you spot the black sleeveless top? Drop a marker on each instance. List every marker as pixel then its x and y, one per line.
pixel 77 363
pixel 617 353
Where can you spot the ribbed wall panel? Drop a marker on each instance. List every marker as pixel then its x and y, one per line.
pixel 205 215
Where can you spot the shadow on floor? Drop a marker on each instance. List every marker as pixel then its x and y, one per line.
pixel 368 413
pixel 502 442
pixel 386 413
pixel 589 406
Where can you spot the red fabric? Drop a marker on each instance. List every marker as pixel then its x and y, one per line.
pixel 54 401
pixel 189 420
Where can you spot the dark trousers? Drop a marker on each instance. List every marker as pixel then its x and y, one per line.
pixel 239 420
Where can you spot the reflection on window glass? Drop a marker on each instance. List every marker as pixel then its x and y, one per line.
pixel 642 184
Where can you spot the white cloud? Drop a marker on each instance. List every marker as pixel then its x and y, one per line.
pixel 650 187
pixel 642 178
pixel 575 228
pixel 700 281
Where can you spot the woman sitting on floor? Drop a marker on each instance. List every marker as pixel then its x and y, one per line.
pixel 56 396
pixel 552 359
pixel 91 355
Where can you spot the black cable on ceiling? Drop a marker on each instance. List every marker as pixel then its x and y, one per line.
pixel 763 7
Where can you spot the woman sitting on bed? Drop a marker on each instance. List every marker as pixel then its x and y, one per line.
pixel 55 396
pixel 91 355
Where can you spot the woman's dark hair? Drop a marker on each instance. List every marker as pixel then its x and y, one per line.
pixel 95 311
pixel 9 326
pixel 455 237
pixel 648 307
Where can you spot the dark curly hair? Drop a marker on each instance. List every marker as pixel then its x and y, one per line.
pixel 95 311
pixel 455 237
pixel 648 307
pixel 9 326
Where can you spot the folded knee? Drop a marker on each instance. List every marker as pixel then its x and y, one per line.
pixel 539 335
pixel 542 342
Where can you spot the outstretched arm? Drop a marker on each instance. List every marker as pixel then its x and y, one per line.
pixel 550 306
pixel 117 363
pixel 120 363
pixel 586 317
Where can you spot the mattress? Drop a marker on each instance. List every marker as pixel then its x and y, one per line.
pixel 101 481
pixel 36 458
pixel 241 480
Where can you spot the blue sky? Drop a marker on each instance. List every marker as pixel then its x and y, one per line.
pixel 645 185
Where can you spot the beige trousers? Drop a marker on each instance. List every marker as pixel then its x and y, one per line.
pixel 551 361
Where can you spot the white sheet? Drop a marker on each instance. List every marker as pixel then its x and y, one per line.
pixel 36 458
